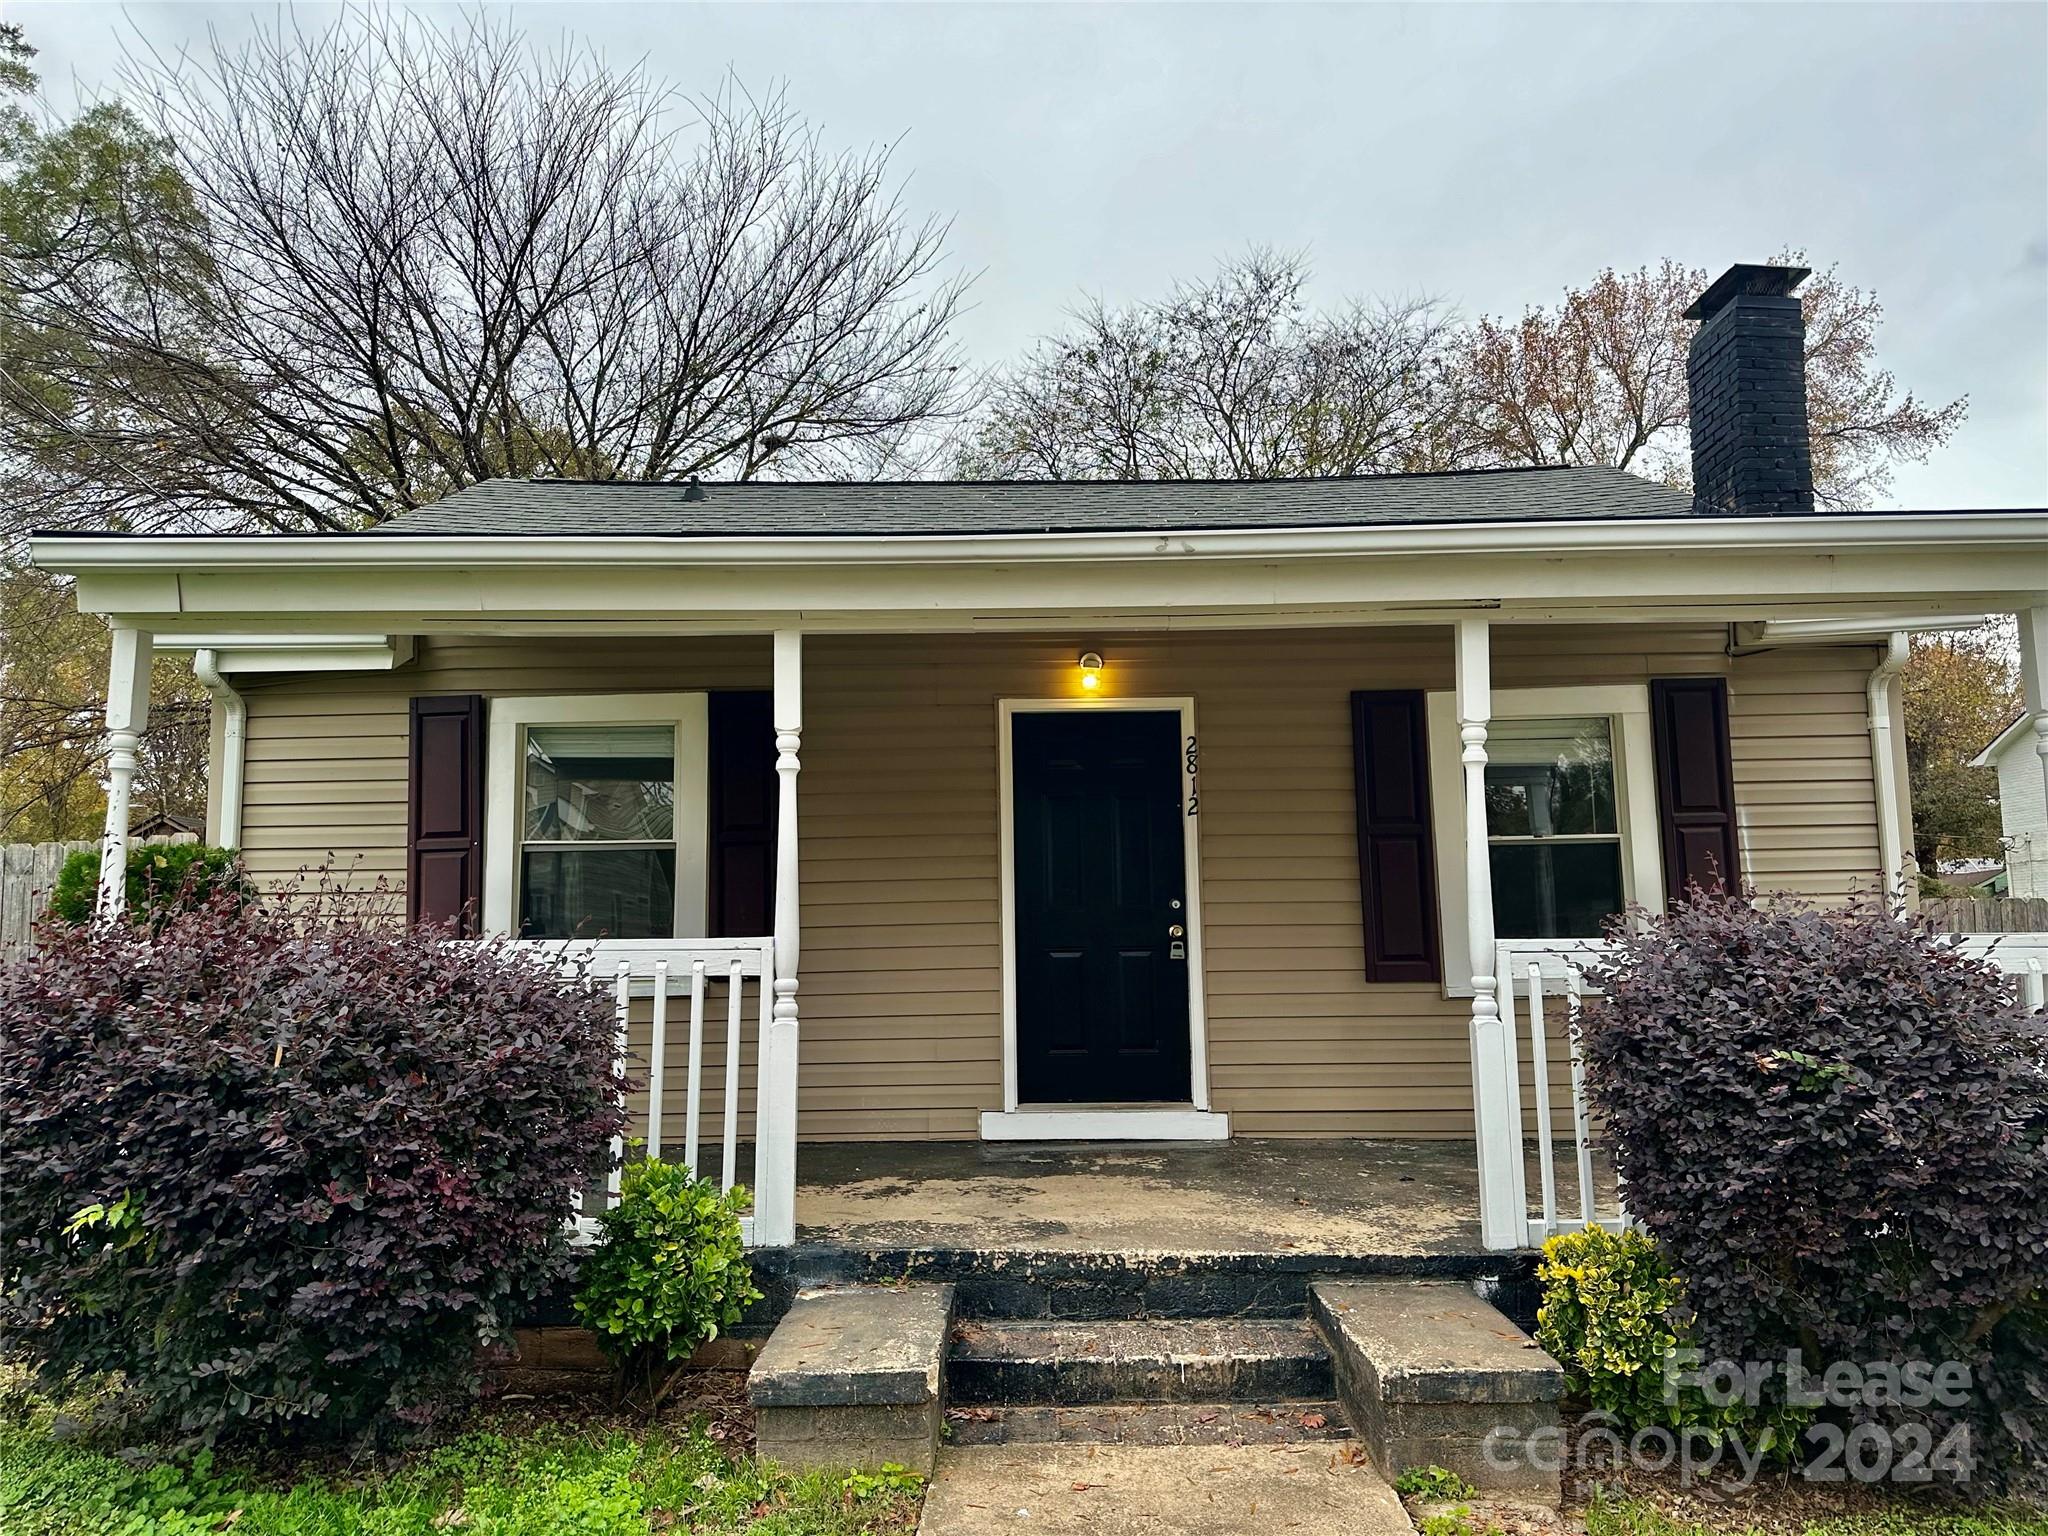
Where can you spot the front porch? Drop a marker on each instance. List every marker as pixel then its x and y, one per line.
pixel 1395 1200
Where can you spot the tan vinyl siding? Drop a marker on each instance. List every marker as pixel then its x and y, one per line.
pixel 901 967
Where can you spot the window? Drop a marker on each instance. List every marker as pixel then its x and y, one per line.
pixel 1571 807
pixel 1553 837
pixel 596 826
pixel 597 844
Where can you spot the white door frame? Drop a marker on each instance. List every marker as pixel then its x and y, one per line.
pixel 1167 1122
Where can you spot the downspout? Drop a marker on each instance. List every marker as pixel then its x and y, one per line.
pixel 234 724
pixel 1891 851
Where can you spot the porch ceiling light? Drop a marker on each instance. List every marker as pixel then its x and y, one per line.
pixel 1091 671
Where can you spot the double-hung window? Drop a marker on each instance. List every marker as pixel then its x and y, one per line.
pixel 596 825
pixel 1571 814
pixel 1552 833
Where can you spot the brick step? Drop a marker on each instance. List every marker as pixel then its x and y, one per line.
pixel 1137 1361
pixel 1279 1423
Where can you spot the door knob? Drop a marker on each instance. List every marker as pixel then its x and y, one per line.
pixel 1175 931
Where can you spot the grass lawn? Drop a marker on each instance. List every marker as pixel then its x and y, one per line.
pixel 537 1479
pixel 1640 1517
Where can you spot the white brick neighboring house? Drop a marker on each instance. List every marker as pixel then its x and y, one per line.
pixel 2022 805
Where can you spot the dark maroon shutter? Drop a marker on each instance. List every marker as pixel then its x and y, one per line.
pixel 742 797
pixel 1396 863
pixel 444 866
pixel 1695 784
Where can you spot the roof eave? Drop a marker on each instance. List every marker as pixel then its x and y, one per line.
pixel 1996 748
pixel 73 554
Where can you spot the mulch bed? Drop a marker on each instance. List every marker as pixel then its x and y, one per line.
pixel 717 1397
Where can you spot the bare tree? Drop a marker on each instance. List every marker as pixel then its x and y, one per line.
pixel 1600 379
pixel 419 258
pixel 1235 378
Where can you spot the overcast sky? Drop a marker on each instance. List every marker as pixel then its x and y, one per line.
pixel 1489 155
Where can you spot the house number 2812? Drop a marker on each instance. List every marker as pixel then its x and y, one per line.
pixel 1191 761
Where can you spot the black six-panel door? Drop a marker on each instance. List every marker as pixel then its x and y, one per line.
pixel 1102 967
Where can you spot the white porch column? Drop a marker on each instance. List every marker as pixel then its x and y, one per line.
pixel 127 715
pixel 775 1136
pixel 1503 1212
pixel 2034 678
pixel 1885 778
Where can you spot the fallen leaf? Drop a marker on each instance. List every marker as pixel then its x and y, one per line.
pixel 1314 1421
pixel 1084 1487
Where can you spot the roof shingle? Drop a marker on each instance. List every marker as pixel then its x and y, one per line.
pixel 510 508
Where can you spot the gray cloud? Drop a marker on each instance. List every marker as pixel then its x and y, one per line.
pixel 1490 155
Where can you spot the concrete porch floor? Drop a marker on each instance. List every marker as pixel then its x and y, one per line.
pixel 1339 1198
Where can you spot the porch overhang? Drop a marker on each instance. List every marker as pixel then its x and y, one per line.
pixel 1866 566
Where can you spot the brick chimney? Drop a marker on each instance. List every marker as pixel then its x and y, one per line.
pixel 1751 451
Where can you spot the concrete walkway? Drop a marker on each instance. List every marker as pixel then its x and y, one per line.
pixel 1307 1489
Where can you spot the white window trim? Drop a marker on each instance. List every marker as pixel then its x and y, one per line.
pixel 1627 706
pixel 1168 1122
pixel 504 774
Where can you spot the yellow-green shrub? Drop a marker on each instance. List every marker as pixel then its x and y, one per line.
pixel 1610 1315
pixel 1615 1316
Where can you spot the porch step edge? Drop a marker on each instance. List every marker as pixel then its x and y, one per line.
pixel 1074 1285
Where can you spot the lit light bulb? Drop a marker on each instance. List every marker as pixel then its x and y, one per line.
pixel 1091 671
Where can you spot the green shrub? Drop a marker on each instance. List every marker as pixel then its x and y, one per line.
pixel 1614 1315
pixel 669 1273
pixel 162 878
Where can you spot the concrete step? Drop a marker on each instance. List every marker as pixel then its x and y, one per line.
pixel 1279 1423
pixel 853 1378
pixel 1432 1375
pixel 1137 1360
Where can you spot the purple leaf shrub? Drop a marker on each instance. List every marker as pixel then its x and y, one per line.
pixel 285 1168
pixel 1836 1126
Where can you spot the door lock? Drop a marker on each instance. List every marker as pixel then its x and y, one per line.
pixel 1175 931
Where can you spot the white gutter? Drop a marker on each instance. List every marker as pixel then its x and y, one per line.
pixel 244 653
pixel 1775 632
pixel 1891 851
pixel 72 554
pixel 235 725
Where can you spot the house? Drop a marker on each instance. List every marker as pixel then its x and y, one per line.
pixel 2020 754
pixel 1088 813
pixel 166 824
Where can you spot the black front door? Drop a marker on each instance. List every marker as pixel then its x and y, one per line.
pixel 1101 907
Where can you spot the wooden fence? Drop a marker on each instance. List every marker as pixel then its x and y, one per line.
pixel 1987 914
pixel 27 872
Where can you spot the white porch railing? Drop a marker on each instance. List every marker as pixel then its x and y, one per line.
pixel 1542 981
pixel 665 1014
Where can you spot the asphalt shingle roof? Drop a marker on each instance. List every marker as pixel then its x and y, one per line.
pixel 505 508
